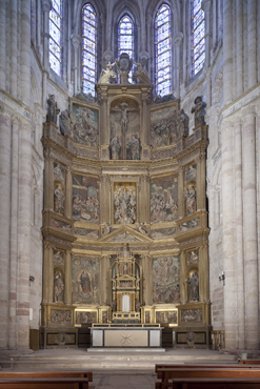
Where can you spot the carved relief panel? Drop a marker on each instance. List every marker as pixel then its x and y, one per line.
pixel 85 125
pixel 166 279
pixel 85 198
pixel 190 189
pixel 164 199
pixel 125 203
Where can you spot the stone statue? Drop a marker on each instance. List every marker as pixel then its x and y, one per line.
pixel 190 199
pixel 199 111
pixel 108 75
pixel 124 66
pixel 52 110
pixel 141 75
pixel 193 286
pixel 115 147
pixel 184 124
pixel 133 148
pixel 58 287
pixel 124 116
pixel 65 123
pixel 59 198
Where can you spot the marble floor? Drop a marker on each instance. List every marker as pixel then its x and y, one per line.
pixel 117 369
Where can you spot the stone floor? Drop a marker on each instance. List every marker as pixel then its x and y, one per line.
pixel 117 369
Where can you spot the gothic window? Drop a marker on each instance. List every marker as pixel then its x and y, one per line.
pixel 126 36
pixel 55 36
pixel 198 36
pixel 89 49
pixel 163 50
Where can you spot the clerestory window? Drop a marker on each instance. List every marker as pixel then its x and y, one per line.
pixel 198 36
pixel 163 50
pixel 55 36
pixel 89 49
pixel 126 36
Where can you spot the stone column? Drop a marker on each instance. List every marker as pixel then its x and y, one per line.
pixel 201 184
pixel 5 174
pixel 24 234
pixel 76 64
pixel 68 280
pixel 250 231
pixel 47 265
pixel 230 297
pixel 177 68
pixel 206 5
pixel 46 7
pixel 239 48
pixel 25 52
pixel 147 277
pixel 105 295
pixel 13 233
pixel 238 237
pixel 14 48
pixel 203 273
pixel 227 50
pixel 3 44
pixel 252 42
pixel 183 278
pixel 48 202
pixel 68 200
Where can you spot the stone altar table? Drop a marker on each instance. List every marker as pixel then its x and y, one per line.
pixel 126 336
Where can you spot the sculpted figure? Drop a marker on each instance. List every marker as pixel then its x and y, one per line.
pixel 199 111
pixel 108 75
pixel 133 147
pixel 190 199
pixel 52 110
pixel 59 198
pixel 65 123
pixel 193 287
pixel 124 66
pixel 184 124
pixel 115 147
pixel 58 286
pixel 141 75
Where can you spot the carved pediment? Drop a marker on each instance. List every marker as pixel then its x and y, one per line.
pixel 126 234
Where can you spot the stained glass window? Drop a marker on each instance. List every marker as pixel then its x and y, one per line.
pixel 163 51
pixel 198 37
pixel 126 36
pixel 55 38
pixel 89 49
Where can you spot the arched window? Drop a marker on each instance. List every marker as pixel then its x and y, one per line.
pixel 55 36
pixel 198 36
pixel 89 49
pixel 163 50
pixel 126 36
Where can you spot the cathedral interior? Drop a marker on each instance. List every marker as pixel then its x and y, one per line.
pixel 129 171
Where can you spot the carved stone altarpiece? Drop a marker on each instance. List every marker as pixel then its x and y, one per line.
pixel 125 221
